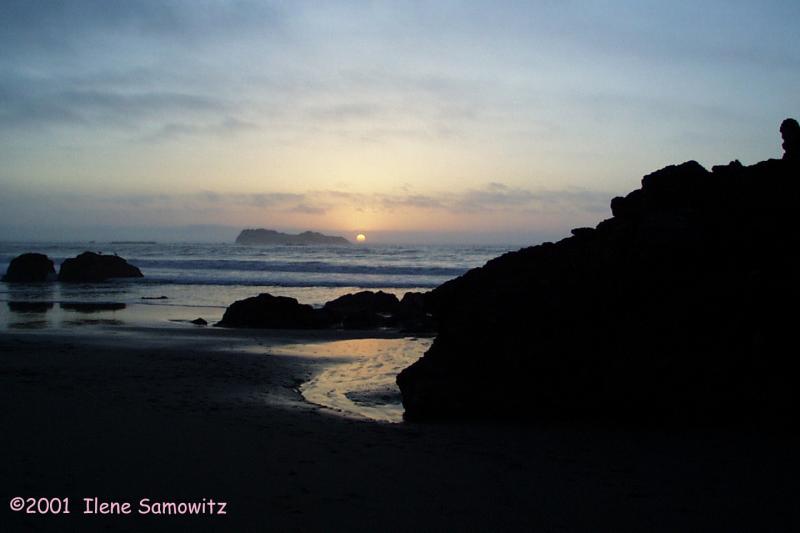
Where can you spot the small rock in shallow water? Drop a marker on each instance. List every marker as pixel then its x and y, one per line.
pixel 199 322
pixel 30 267
pixel 270 312
pixel 89 266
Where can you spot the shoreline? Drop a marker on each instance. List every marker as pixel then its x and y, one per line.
pixel 314 352
pixel 151 412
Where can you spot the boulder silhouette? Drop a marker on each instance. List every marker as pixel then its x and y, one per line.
pixel 368 301
pixel 363 310
pixel 30 267
pixel 672 311
pixel 412 313
pixel 91 267
pixel 271 312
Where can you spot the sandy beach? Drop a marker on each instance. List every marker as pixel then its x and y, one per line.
pixel 179 415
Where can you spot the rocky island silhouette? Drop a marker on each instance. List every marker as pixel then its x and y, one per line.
pixel 268 236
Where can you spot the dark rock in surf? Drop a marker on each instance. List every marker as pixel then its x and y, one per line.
pixel 367 301
pixel 671 311
pixel 199 322
pixel 271 312
pixel 412 304
pixel 30 268
pixel 92 267
pixel 412 313
pixel 363 310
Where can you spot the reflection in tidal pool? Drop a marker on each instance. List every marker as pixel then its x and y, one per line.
pixel 92 307
pixel 361 379
pixel 30 307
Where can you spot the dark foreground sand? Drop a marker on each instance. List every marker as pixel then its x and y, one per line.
pixel 174 417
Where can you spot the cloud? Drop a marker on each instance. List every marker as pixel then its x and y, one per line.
pixel 226 127
pixel 343 111
pixel 272 199
pixel 308 209
pixel 417 201
pixel 492 198
pixel 149 69
pixel 58 26
pixel 48 102
pixel 485 214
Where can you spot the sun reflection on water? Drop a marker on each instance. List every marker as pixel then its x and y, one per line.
pixel 362 382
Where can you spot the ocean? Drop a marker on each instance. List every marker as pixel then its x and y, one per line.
pixel 185 281
pixel 215 275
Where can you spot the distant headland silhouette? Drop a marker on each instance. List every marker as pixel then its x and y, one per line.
pixel 268 236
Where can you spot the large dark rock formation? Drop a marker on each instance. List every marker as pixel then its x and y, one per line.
pixel 30 267
pixel 269 236
pixel 89 267
pixel 271 312
pixel 679 309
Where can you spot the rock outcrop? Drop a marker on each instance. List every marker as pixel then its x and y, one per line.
pixel 677 309
pixel 790 131
pixel 413 315
pixel 271 312
pixel 269 236
pixel 30 267
pixel 92 267
pixel 362 310
pixel 364 301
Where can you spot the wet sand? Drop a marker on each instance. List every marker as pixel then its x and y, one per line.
pixel 182 414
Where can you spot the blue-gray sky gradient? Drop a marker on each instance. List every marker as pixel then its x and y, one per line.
pixel 493 117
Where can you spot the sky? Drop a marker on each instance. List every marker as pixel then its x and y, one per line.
pixel 407 121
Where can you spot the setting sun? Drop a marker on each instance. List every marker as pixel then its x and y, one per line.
pixel 361 237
